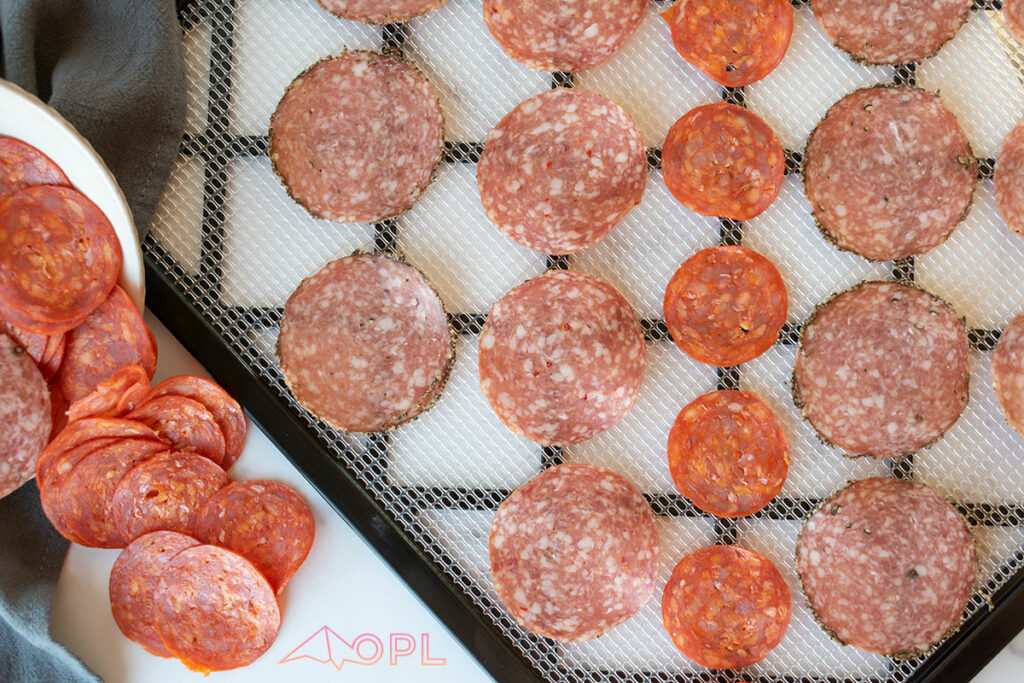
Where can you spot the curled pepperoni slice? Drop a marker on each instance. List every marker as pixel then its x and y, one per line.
pixel 115 397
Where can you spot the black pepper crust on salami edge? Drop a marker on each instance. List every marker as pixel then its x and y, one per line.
pixel 431 395
pixel 798 399
pixel 383 55
pixel 969 160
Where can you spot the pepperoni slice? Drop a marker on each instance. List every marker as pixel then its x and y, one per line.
pixel 185 424
pixel 114 397
pixel 81 431
pixel 22 166
pixel 51 489
pixel 58 409
pixel 722 160
pixel 24 415
pixel 134 579
pixel 728 454
pixel 47 350
pixel 60 258
pixel 726 607
pixel 214 610
pixel 165 493
pixel 113 337
pixel 266 522
pixel 225 409
pixel 725 305
pixel 736 42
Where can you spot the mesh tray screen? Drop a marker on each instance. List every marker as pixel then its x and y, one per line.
pixel 237 246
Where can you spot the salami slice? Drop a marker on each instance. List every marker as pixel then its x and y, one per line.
pixel 214 610
pixel 551 35
pixel 726 607
pixel 1013 13
pixel 47 350
pixel 81 431
pixel 165 493
pixel 357 137
pixel 113 337
pixel 561 170
pixel 59 261
pixel 24 415
pixel 22 166
pixel 722 160
pixel 377 12
pixel 889 172
pixel 728 454
pixel 88 490
pixel 887 566
pixel 183 423
pixel 736 42
pixel 725 305
pixel 876 32
pixel 133 583
pixel 266 522
pixel 1009 177
pixel 114 397
pixel 562 357
pixel 1008 373
pixel 882 369
pixel 365 343
pixel 574 552
pixel 224 409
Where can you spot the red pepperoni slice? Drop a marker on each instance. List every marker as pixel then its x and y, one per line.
pixel 725 305
pixel 185 424
pixel 58 409
pixel 88 491
pixel 47 350
pixel 728 454
pixel 59 261
pixel 81 431
pixel 380 11
pixel 51 489
pixel 736 42
pixel 1009 175
pixel 225 409
pixel 165 493
pixel 266 522
pixel 214 610
pixel 114 397
pixel 726 607
pixel 113 337
pixel 22 166
pixel 25 418
pixel 722 160
pixel 134 579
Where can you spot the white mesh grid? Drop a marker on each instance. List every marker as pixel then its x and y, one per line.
pixel 238 246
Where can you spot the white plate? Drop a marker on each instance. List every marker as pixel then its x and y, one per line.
pixel 26 117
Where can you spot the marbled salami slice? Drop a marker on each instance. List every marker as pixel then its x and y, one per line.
pixel 879 32
pixel 736 42
pixel 378 12
pixel 726 607
pixel 113 337
pixel 561 170
pixel 1007 366
pixel 1009 176
pixel 728 454
pixel 357 137
pixel 24 415
pixel 60 258
pixel 365 343
pixel 165 493
pixel 114 397
pixel 562 357
pixel 22 166
pixel 266 522
pixel 214 610
pixel 47 350
pixel 887 566
pixel 133 583
pixel 224 409
pixel 882 369
pixel 889 172
pixel 574 552
pixel 183 423
pixel 725 305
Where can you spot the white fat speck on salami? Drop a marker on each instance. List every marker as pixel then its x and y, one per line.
pixel 1008 373
pixel 554 35
pixel 357 137
pixel 887 566
pixel 378 11
pixel 889 172
pixel 882 369
pixel 365 343
pixel 884 32
pixel 24 415
pixel 562 357
pixel 574 552
pixel 561 170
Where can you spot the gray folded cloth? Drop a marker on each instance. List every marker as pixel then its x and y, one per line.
pixel 115 70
